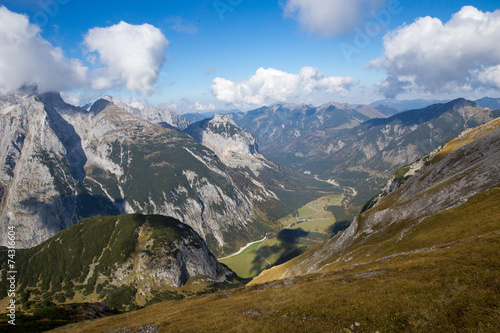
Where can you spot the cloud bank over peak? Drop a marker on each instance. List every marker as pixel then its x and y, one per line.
pixel 268 86
pixel 25 57
pixel 430 56
pixel 331 17
pixel 123 55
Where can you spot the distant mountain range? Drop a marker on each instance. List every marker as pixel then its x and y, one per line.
pixel 404 105
pixel 488 102
pixel 150 113
pixel 350 148
pixel 195 117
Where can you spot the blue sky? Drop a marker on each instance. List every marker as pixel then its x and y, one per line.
pixel 226 54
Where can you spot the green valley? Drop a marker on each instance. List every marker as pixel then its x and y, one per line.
pixel 301 230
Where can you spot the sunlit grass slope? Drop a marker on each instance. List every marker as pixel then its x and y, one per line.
pixel 448 288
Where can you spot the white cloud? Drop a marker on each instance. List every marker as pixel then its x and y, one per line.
pixel 128 55
pixel 25 57
pixel 270 85
pixel 331 17
pixel 76 98
pixel 132 55
pixel 431 56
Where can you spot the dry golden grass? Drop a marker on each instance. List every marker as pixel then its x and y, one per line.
pixel 469 136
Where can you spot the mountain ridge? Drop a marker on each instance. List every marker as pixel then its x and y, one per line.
pixel 150 113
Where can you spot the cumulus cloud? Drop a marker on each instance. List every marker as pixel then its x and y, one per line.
pixel 331 17
pixel 431 56
pixel 25 57
pixel 124 54
pixel 203 107
pixel 270 85
pixel 132 55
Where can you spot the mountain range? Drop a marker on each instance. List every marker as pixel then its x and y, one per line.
pixel 421 256
pixel 149 113
pixel 60 163
pixel 415 209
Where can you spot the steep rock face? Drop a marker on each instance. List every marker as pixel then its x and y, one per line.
pixel 41 163
pixel 133 252
pixel 151 113
pixel 143 167
pixel 233 145
pixel 238 150
pixel 441 181
pixel 272 189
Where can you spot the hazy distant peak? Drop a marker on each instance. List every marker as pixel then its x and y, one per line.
pixel 222 118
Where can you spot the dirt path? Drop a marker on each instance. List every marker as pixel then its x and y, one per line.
pixel 257 251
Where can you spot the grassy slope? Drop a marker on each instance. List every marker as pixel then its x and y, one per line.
pixel 244 263
pixel 452 286
pixel 445 289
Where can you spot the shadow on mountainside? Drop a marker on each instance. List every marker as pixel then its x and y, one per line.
pixel 339 226
pixel 287 248
pixel 63 211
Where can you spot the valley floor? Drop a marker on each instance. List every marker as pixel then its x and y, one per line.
pixel 302 230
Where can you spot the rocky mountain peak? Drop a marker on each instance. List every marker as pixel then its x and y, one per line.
pixel 99 105
pixel 54 100
pixel 222 118
pixel 232 144
pixel 461 103
pixel 19 95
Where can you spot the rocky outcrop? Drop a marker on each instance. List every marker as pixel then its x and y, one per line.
pixel 235 147
pixel 41 165
pixel 134 254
